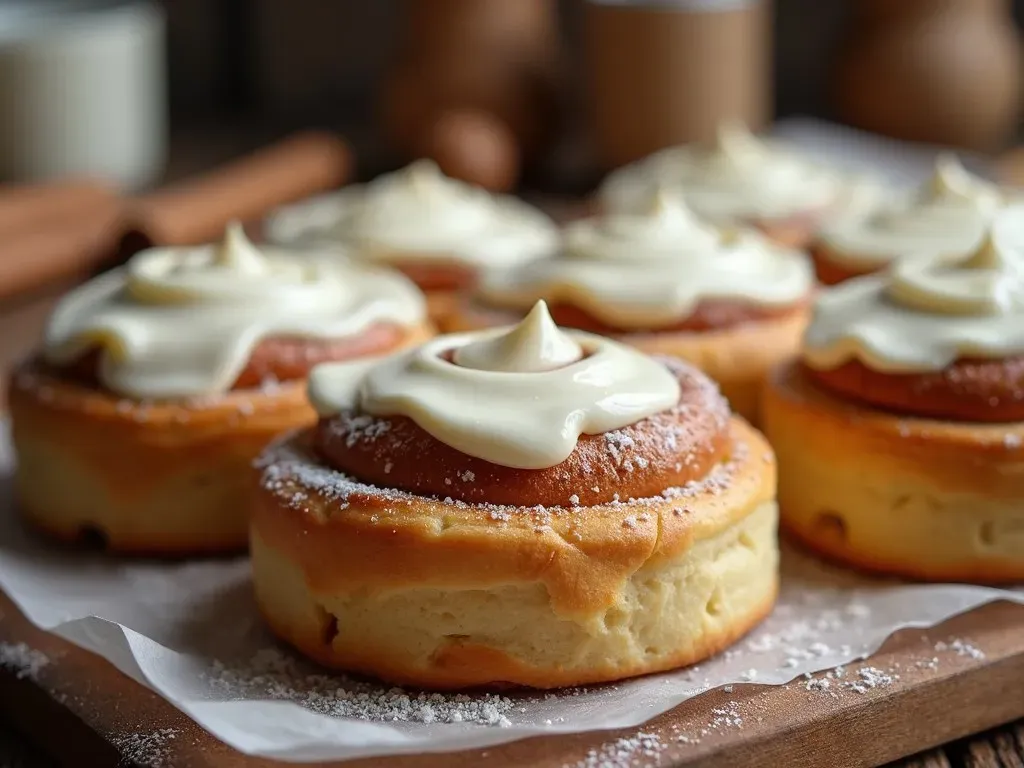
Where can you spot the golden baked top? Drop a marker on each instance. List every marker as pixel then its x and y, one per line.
pixel 947 217
pixel 182 322
pixel 653 268
pixel 736 178
pixel 517 397
pixel 419 215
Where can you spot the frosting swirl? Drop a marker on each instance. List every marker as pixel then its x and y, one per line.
pixel 923 315
pixel 520 397
pixel 652 268
pixel 179 322
pixel 945 218
pixel 736 178
pixel 418 214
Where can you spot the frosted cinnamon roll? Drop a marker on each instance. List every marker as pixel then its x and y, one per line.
pixel 740 179
pixel 946 218
pixel 158 382
pixel 522 506
pixel 440 232
pixel 900 433
pixel 729 301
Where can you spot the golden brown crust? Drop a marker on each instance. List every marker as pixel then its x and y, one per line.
pixel 923 498
pixel 737 358
pixel 990 391
pixel 339 564
pixel 164 477
pixel 369 535
pixel 461 666
pixel 669 449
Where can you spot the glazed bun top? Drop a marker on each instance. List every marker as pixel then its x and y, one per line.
pixel 738 177
pixel 523 415
pixel 654 267
pixel 947 217
pixel 183 322
pixel 419 215
pixel 923 315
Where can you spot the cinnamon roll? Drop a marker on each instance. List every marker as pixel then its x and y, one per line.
pixel 945 218
pixel 900 433
pixel 740 179
pixel 730 301
pixel 522 506
pixel 442 233
pixel 158 382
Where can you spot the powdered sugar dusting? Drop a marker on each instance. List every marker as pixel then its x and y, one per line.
pixel 147 749
pixel 273 675
pixel 642 749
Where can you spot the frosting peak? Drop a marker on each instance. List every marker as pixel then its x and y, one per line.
pixel 418 214
pixel 988 282
pixel 736 178
pixel 237 253
pixel 735 143
pixel 536 344
pixel 951 181
pixel 663 229
pixel 528 419
pixel 922 315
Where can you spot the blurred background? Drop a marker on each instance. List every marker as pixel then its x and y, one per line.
pixel 143 90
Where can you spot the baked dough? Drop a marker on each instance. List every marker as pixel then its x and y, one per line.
pixel 921 498
pixel 447 595
pixel 146 477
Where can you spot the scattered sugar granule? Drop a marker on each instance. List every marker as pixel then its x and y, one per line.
pixel 467 476
pixel 818 684
pixel 574 500
pixel 274 675
pixel 21 660
pixel 932 663
pixel 627 752
pixel 148 749
pixel 869 678
pixel 961 648
pixel 629 522
pixel 387 467
pixel 728 688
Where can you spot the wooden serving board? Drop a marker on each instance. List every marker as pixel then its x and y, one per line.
pixel 85 712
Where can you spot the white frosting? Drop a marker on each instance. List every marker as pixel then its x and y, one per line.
pixel 517 397
pixel 738 178
pixel 178 322
pixel 946 218
pixel 418 214
pixel 922 315
pixel 652 269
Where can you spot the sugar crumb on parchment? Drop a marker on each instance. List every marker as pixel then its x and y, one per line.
pixel 146 749
pixel 275 675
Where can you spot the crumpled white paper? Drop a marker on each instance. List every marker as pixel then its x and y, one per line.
pixel 191 633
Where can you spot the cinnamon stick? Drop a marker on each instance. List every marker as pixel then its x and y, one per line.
pixel 29 206
pixel 74 246
pixel 197 210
